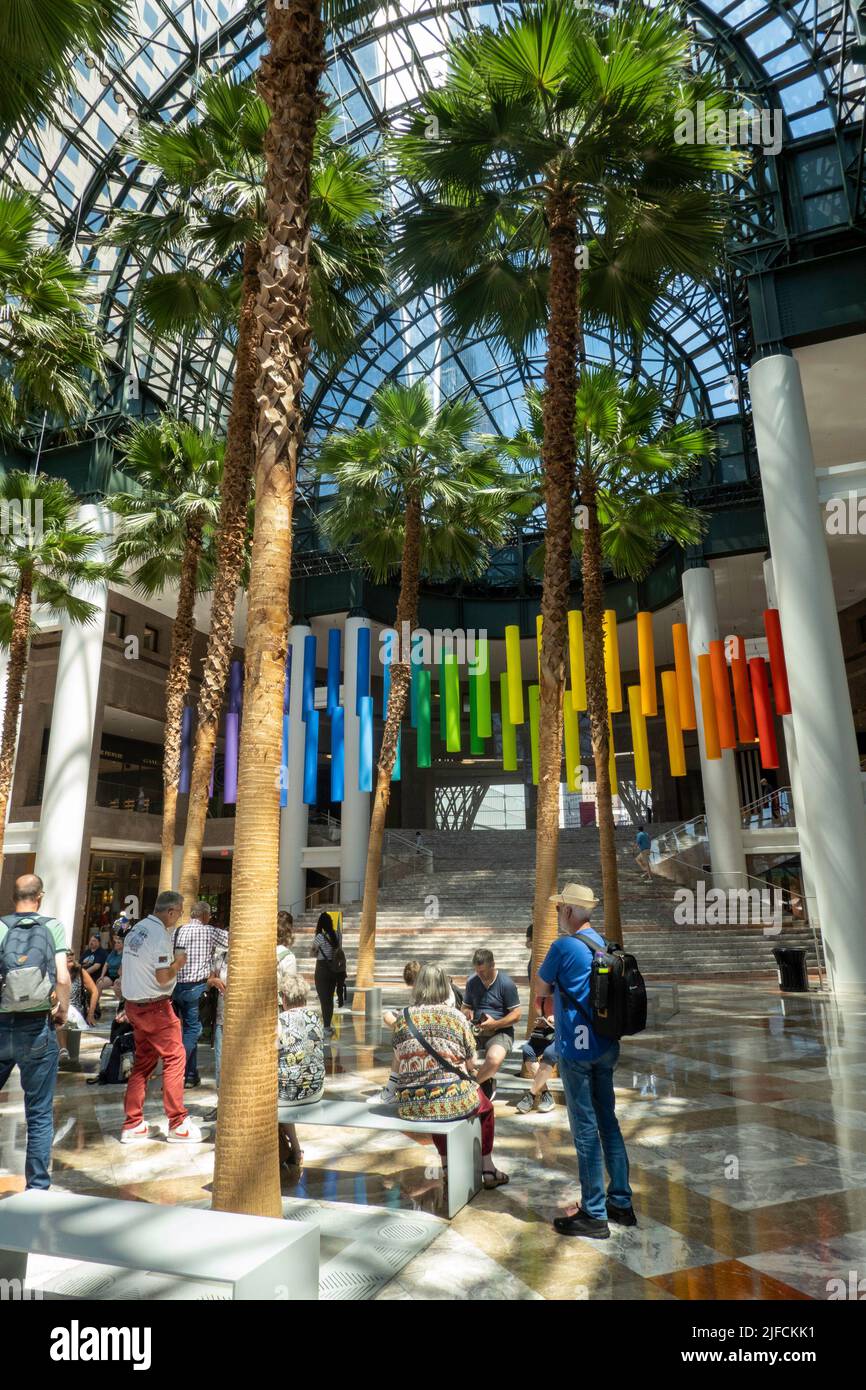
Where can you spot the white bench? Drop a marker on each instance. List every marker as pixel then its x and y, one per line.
pixel 462 1137
pixel 258 1257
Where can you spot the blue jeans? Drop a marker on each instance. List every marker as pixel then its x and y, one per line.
pixel 595 1130
pixel 29 1040
pixel 185 1000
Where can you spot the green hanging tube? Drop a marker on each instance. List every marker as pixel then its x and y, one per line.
pixel 514 671
pixel 452 703
pixel 443 727
pixel 509 733
pixel 534 694
pixel 483 711
pixel 476 744
pixel 423 679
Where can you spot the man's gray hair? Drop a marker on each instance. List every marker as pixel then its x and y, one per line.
pixel 431 986
pixel 200 909
pixel 166 900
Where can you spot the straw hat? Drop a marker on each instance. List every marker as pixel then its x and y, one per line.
pixel 575 895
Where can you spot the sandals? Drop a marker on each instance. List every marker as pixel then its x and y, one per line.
pixel 494 1178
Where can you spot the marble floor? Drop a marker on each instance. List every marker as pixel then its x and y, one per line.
pixel 745 1120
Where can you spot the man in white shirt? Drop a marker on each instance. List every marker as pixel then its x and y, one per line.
pixel 148 973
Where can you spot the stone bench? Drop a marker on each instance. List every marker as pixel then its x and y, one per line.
pixel 463 1137
pixel 257 1257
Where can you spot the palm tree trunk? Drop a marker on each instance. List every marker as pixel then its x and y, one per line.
pixel 177 687
pixel 558 454
pixel 246 1168
pixel 596 699
pixel 234 502
pixel 15 673
pixel 407 610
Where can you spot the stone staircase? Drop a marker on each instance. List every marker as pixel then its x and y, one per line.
pixel 480 893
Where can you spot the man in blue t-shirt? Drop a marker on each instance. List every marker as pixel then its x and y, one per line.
pixel 586 1066
pixel 492 1005
pixel 644 844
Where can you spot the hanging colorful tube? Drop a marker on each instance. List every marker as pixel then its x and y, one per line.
pixel 712 746
pixel 514 671
pixel 333 699
pixel 534 694
pixel 647 664
pixel 362 668
pixel 452 703
pixel 284 766
pixel 683 667
pixel 186 722
pixel 576 662
pixel 571 730
pixel 611 663
pixel 443 702
pixel 308 697
pixel 509 732
pixel 423 755
pixel 476 744
pixel 484 714
pixel 763 712
pixel 365 746
pixel 311 758
pixel 338 753
pixel 742 693
pixel 778 668
pixel 673 723
pixel 230 766
pixel 539 623
pixel 416 662
pixel 722 695
pixel 640 743
pixel 611 759
pixel 395 770
pixel 236 682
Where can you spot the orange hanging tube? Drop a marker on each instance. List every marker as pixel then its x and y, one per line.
pixel 722 695
pixel 778 669
pixel 712 746
pixel 743 693
pixel 763 712
pixel 676 751
pixel 683 665
pixel 647 664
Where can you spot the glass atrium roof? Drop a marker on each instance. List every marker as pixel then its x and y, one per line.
pixel 799 56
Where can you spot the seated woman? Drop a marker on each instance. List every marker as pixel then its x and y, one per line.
pixel 108 975
pixel 301 1059
pixel 434 1059
pixel 539 1059
pixel 286 962
pixel 83 1001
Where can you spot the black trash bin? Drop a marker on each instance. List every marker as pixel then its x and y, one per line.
pixel 791 962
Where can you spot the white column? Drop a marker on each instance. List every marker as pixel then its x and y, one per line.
pixel 356 805
pixel 820 698
pixel 801 809
pixel 70 748
pixel 294 816
pixel 719 776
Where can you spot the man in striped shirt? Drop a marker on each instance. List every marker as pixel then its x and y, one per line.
pixel 198 938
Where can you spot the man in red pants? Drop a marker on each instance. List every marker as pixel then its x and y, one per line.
pixel 148 974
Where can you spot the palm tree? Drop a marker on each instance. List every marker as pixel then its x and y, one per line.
pixel 212 176
pixel 40 41
pixel 44 557
pixel 47 337
pixel 412 495
pixel 630 461
pixel 552 192
pixel 166 538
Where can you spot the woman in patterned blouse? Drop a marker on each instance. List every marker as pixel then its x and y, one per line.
pixel 437 1084
pixel 301 1060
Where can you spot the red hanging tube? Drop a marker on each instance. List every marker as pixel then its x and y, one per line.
pixel 763 712
pixel 778 669
pixel 743 693
pixel 722 695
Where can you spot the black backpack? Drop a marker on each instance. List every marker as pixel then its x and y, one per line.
pixel 617 991
pixel 116 1058
pixel 28 969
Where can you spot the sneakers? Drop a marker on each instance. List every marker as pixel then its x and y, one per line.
pixel 185 1133
pixel 621 1216
pixel 582 1224
pixel 546 1103
pixel 131 1133
pixel 525 1104
pixel 387 1095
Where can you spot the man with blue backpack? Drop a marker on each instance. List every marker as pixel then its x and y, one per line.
pixel 598 997
pixel 34 996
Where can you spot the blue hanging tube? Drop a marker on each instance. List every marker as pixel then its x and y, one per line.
pixel 338 754
pixel 311 758
pixel 284 764
pixel 308 698
pixel 362 669
pixel 333 669
pixel 365 746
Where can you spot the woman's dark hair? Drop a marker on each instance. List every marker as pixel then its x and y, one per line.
pixel 325 925
pixel 74 965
